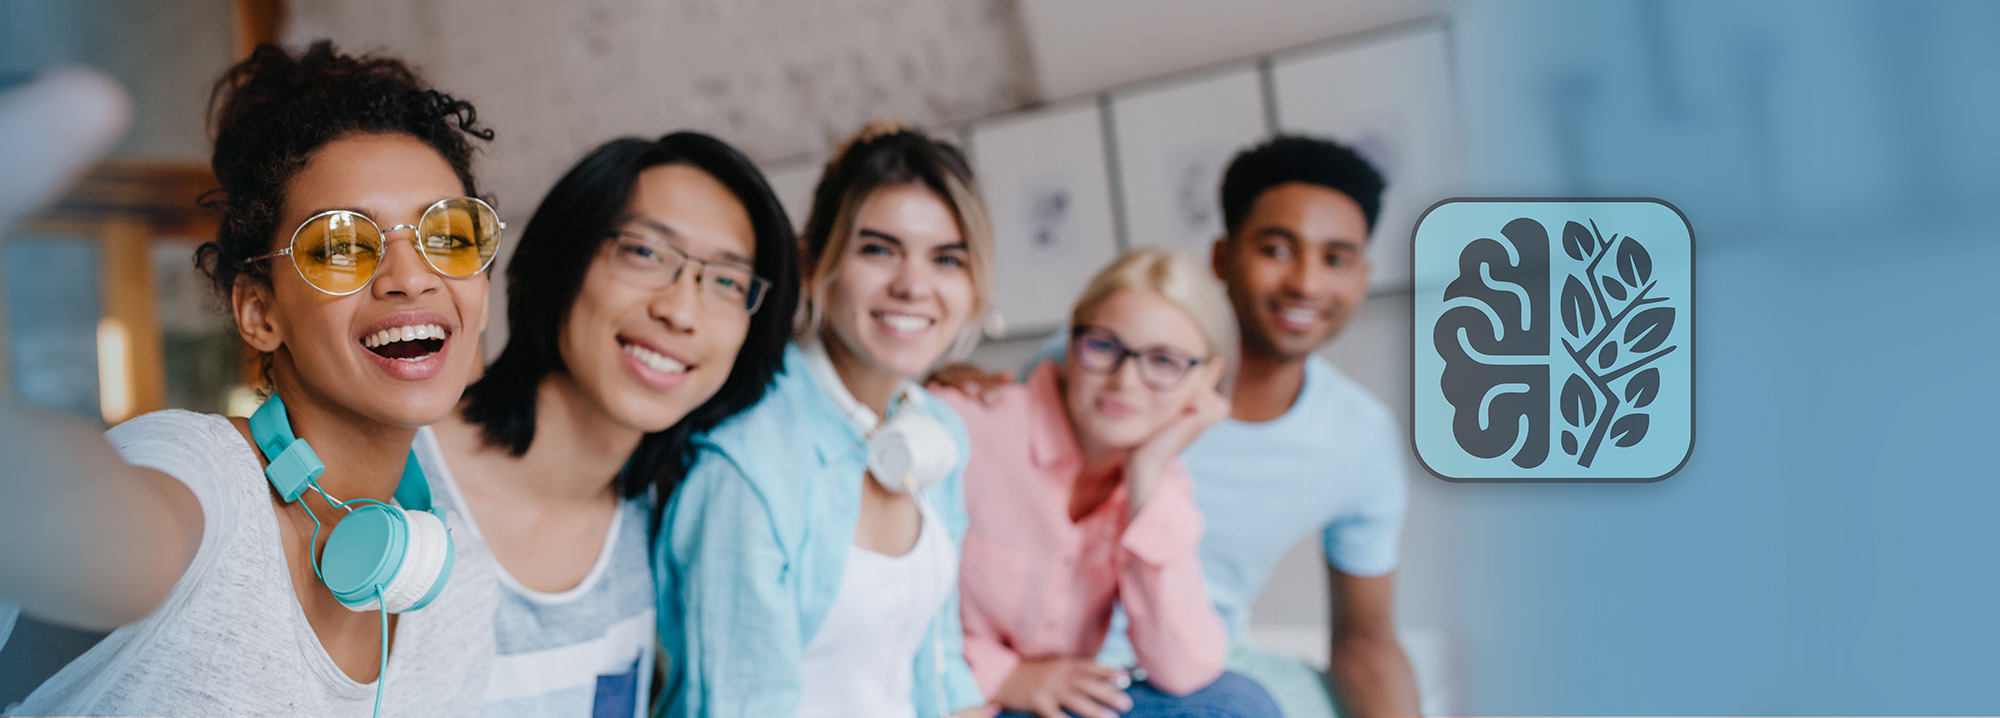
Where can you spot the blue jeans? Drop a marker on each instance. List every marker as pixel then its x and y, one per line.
pixel 1231 696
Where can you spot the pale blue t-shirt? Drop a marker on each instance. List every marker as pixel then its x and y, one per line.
pixel 1332 463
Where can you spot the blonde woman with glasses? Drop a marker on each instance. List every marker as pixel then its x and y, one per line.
pixel 1078 503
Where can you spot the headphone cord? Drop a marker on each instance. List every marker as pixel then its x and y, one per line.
pixel 381 602
pixel 382 663
pixel 312 549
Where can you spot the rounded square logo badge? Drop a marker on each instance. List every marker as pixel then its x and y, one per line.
pixel 1554 340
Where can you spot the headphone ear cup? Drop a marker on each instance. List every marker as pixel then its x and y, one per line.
pixel 364 551
pixel 911 452
pixel 426 564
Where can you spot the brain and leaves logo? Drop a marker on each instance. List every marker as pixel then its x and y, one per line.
pixel 1554 340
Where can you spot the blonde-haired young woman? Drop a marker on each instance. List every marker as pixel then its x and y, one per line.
pixel 1078 503
pixel 808 564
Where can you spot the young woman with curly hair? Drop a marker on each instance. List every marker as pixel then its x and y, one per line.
pixel 261 567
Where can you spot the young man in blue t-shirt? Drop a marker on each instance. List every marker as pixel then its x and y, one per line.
pixel 1305 448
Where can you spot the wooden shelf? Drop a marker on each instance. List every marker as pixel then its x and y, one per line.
pixel 127 206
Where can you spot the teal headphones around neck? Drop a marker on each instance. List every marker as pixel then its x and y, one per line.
pixel 395 558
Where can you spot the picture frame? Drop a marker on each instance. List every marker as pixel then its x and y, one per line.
pixel 1046 180
pixel 1173 141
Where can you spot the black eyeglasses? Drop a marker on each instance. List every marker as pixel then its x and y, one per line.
pixel 1099 351
pixel 653 262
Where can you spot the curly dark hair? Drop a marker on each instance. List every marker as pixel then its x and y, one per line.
pixel 556 251
pixel 1294 158
pixel 272 111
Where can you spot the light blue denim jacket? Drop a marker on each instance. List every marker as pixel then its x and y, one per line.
pixel 752 547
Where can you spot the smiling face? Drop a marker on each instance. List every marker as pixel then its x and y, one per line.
pixel 1118 411
pixel 649 354
pixel 400 350
pixel 903 290
pixel 1296 269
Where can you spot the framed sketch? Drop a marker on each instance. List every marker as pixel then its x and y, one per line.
pixel 793 181
pixel 1047 185
pixel 1391 99
pixel 1174 140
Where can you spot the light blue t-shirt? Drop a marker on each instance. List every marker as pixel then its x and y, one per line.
pixel 1332 463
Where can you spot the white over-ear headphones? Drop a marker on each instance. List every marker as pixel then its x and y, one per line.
pixel 908 452
pixel 911 451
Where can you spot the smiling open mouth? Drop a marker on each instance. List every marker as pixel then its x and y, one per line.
pixel 410 343
pixel 654 360
pixel 904 323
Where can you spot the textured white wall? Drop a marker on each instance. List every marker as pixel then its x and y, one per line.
pixel 777 78
pixel 1090 45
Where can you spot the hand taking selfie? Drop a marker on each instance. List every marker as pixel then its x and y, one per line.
pixel 1049 686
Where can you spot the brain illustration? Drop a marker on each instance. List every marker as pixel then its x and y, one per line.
pixel 1494 339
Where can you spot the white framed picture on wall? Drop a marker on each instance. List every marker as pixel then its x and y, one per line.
pixel 1047 185
pixel 1391 99
pixel 1174 139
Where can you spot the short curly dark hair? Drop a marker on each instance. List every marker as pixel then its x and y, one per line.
pixel 1294 158
pixel 272 111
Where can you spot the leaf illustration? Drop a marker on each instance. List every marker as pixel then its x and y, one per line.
pixel 1607 356
pixel 1579 403
pixel 1577 242
pixel 1579 313
pixel 1643 388
pixel 1649 329
pixel 1569 443
pixel 1613 288
pixel 1629 429
pixel 1635 266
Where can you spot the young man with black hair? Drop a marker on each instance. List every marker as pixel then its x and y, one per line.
pixel 1305 448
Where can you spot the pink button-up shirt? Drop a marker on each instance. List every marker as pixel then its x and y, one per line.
pixel 1034 584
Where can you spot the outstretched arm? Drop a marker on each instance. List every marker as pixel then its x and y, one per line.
pixel 86 539
pixel 1370 675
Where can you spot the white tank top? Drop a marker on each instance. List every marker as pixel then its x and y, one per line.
pixel 862 661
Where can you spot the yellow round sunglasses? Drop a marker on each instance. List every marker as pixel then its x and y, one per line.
pixel 339 251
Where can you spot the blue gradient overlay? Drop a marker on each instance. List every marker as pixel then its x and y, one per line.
pixel 1833 544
